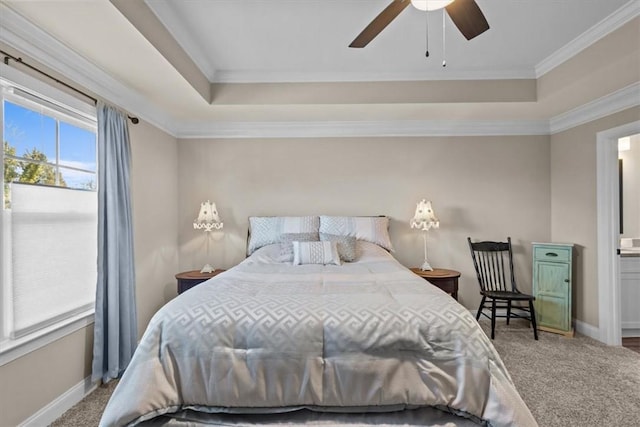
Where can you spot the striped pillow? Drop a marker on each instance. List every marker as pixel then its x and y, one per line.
pixel 286 243
pixel 266 230
pixel 374 229
pixel 315 253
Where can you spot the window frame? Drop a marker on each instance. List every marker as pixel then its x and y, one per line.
pixel 20 88
pixel 34 103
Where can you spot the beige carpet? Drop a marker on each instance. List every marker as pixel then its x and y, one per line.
pixel 565 382
pixel 571 381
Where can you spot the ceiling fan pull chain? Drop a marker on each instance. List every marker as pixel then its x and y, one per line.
pixel 427 32
pixel 444 51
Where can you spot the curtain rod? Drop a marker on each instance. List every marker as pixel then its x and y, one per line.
pixel 8 56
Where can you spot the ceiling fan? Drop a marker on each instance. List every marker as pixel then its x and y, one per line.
pixel 465 14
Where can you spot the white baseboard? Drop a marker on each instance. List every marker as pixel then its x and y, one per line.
pixel 630 332
pixel 587 330
pixel 581 327
pixel 60 405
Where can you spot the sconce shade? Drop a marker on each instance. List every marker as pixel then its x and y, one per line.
pixel 424 218
pixel 208 218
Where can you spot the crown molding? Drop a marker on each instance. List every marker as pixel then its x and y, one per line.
pixel 32 41
pixel 622 99
pixel 627 97
pixel 267 76
pixel 168 14
pixel 346 129
pixel 609 24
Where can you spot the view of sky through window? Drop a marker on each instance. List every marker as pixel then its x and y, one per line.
pixel 33 135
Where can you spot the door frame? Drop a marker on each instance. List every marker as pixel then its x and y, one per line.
pixel 608 233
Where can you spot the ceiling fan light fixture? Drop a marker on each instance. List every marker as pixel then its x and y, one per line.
pixel 429 5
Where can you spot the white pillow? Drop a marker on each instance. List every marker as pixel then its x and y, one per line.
pixel 267 230
pixel 315 253
pixel 374 229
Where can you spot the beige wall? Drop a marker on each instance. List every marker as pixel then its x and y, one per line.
pixel 631 189
pixel 30 382
pixel 483 187
pixel 531 188
pixel 155 216
pixel 573 203
pixel 608 65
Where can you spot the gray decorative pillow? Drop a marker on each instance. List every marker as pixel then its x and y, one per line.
pixel 374 229
pixel 266 230
pixel 315 253
pixel 286 243
pixel 346 245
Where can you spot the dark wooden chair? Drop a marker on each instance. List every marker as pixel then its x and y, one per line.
pixel 493 262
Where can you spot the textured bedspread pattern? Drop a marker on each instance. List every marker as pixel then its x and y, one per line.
pixel 268 337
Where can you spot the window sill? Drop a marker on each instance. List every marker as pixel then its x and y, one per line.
pixel 12 349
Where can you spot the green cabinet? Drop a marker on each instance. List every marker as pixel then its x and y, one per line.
pixel 552 286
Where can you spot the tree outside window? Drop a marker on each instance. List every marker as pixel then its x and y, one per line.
pixel 42 150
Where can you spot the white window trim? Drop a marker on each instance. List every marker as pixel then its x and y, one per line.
pixel 27 83
pixel 11 349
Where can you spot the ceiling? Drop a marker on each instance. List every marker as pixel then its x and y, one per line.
pixel 277 42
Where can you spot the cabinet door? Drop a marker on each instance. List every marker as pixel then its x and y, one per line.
pixel 553 296
pixel 630 292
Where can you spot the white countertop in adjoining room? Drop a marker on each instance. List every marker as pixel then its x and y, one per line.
pixel 630 247
pixel 630 252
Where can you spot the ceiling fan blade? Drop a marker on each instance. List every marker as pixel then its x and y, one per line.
pixel 468 17
pixel 379 23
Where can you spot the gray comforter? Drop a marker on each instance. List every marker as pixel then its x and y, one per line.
pixel 267 337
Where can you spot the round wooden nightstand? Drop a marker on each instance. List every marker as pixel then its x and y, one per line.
pixel 188 279
pixel 445 279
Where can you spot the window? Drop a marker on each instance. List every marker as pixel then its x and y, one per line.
pixel 49 215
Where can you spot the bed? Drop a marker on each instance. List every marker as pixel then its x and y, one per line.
pixel 275 341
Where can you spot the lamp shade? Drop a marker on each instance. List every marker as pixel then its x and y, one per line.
pixel 424 218
pixel 430 4
pixel 208 218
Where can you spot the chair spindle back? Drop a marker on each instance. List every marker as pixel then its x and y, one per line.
pixel 493 262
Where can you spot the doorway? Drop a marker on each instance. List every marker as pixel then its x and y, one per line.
pixel 608 211
pixel 629 170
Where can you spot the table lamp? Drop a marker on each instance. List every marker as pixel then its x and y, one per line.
pixel 208 220
pixel 424 220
